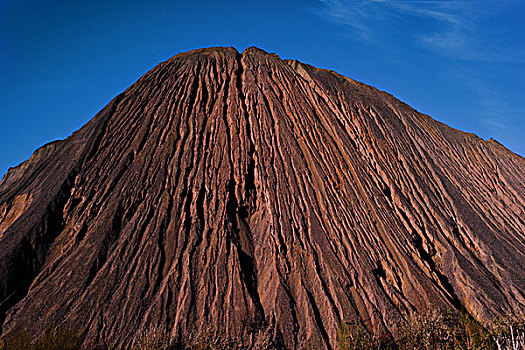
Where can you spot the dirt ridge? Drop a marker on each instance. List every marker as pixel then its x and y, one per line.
pixel 266 197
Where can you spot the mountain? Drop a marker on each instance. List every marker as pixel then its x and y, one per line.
pixel 253 195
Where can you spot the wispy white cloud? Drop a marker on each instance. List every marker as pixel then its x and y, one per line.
pixel 496 115
pixel 452 27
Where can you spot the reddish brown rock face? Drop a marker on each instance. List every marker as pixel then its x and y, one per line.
pixel 258 195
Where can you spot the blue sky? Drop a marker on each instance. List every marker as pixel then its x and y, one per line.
pixel 460 61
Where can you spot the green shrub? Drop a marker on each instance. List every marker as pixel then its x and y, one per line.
pixel 426 330
pixel 509 334
pixel 433 330
pixel 54 338
pixel 16 341
pixel 157 338
pixel 469 334
pixel 214 340
pixel 357 336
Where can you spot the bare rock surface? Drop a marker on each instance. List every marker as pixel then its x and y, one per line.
pixel 258 196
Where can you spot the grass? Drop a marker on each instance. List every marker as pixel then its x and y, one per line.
pixel 54 338
pixel 157 338
pixel 432 330
pixel 428 330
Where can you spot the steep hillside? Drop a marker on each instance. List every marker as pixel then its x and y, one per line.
pixel 258 196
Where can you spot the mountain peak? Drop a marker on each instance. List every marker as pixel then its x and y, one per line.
pixel 255 50
pixel 267 199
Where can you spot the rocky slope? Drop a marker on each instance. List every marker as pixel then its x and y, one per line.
pixel 263 198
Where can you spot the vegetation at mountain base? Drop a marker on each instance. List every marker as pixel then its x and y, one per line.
pixel 430 330
pixel 434 331
pixel 54 338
